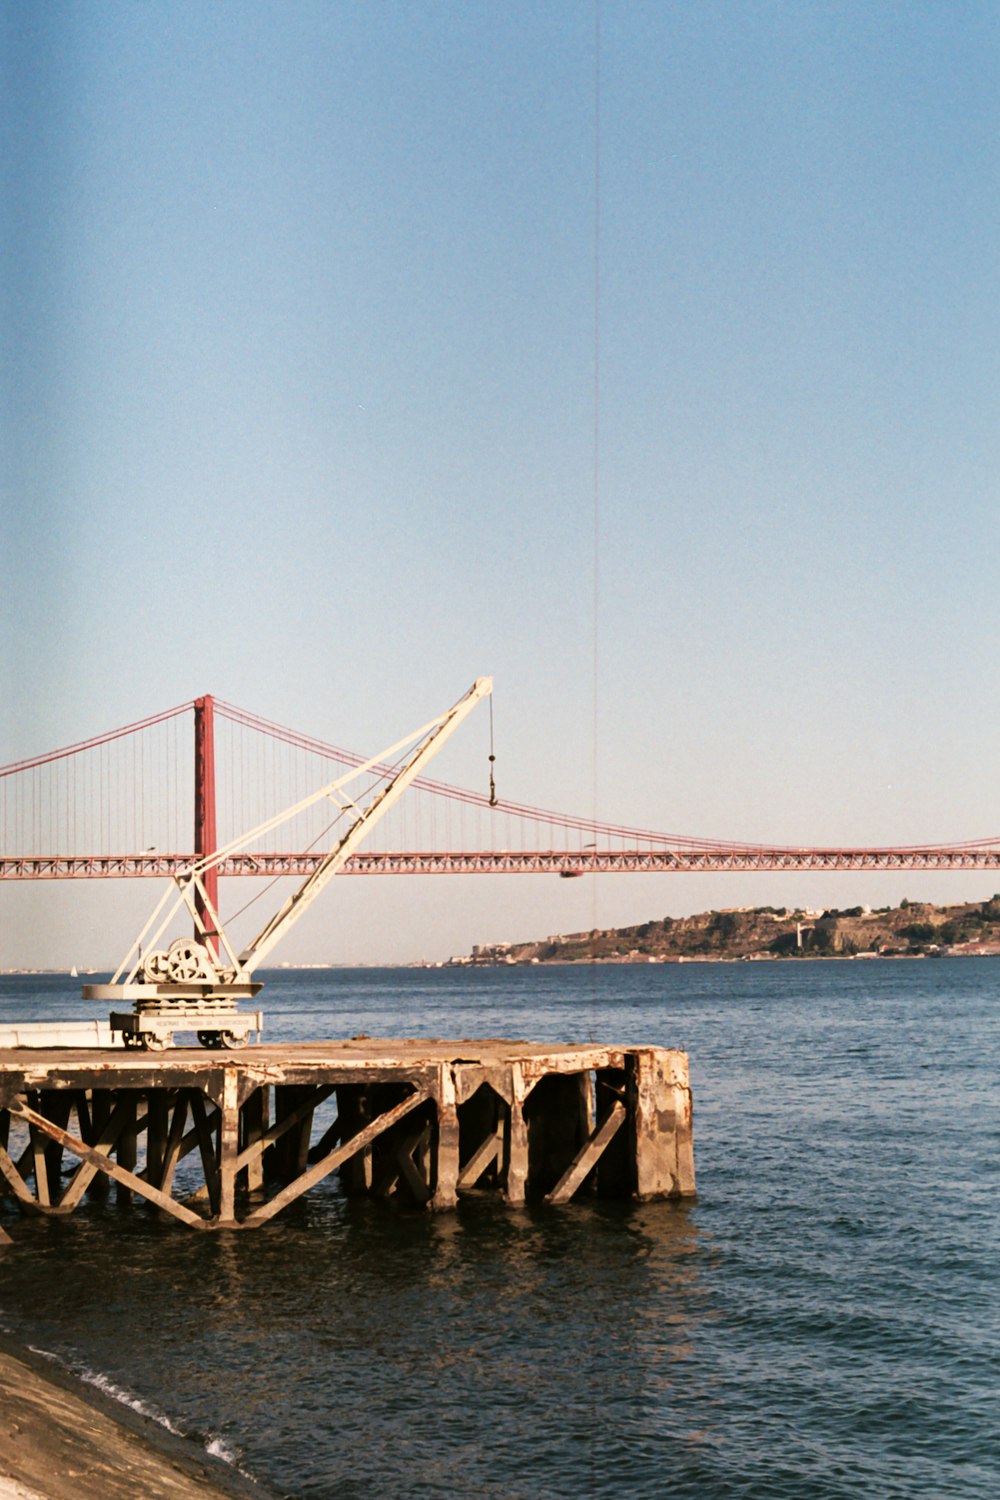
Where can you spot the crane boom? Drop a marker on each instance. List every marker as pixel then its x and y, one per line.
pixel 300 900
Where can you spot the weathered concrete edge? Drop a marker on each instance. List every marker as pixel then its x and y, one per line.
pixel 178 1458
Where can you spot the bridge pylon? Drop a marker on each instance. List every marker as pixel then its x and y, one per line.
pixel 205 837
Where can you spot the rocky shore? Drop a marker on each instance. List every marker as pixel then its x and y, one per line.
pixel 61 1439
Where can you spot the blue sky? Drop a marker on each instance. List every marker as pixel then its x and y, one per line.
pixel 299 311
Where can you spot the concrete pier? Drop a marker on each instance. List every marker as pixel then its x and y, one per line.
pixel 227 1141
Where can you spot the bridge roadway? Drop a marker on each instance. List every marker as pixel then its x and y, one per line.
pixel 567 863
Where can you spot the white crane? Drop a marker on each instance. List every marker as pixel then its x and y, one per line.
pixel 189 984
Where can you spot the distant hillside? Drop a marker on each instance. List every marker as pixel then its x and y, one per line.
pixel 759 932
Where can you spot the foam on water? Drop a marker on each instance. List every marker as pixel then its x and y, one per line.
pixel 126 1398
pixel 213 1445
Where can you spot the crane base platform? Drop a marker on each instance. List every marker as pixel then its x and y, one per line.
pixel 214 1027
pixel 230 1142
pixel 192 991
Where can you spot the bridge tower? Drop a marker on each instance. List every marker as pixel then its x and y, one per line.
pixel 205 841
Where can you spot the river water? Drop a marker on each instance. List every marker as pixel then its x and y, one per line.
pixel 822 1323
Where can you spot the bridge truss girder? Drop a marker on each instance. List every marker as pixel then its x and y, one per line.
pixel 510 862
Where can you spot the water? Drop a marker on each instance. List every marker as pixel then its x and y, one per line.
pixel 822 1323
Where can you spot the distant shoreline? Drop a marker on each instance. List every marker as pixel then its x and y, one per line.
pixel 647 963
pixel 765 934
pixel 551 963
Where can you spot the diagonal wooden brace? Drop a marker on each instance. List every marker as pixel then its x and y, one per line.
pixel 16 1183
pixel 107 1166
pixel 88 1170
pixel 586 1158
pixel 206 1145
pixel 281 1127
pixel 331 1162
pixel 175 1143
pixel 483 1157
pixel 412 1174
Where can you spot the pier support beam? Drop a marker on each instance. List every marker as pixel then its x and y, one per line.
pixel 516 1141
pixel 445 1173
pixel 253 1121
pixel 229 1146
pixel 660 1114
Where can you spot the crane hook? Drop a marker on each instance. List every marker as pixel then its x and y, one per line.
pixel 493 786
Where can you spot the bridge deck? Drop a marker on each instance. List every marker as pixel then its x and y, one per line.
pixel 564 862
pixel 229 1140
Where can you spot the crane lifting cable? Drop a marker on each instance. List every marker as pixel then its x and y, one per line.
pixel 196 984
pixel 493 785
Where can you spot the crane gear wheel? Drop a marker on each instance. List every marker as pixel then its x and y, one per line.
pixel 155 967
pixel 187 960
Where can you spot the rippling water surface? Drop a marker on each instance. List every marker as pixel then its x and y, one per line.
pixel 822 1322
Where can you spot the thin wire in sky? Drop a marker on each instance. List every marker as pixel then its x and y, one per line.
pixel 596 481
pixel 595 1331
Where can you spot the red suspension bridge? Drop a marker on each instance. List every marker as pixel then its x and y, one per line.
pixel 150 797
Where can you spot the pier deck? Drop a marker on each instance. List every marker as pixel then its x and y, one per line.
pixel 229 1140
